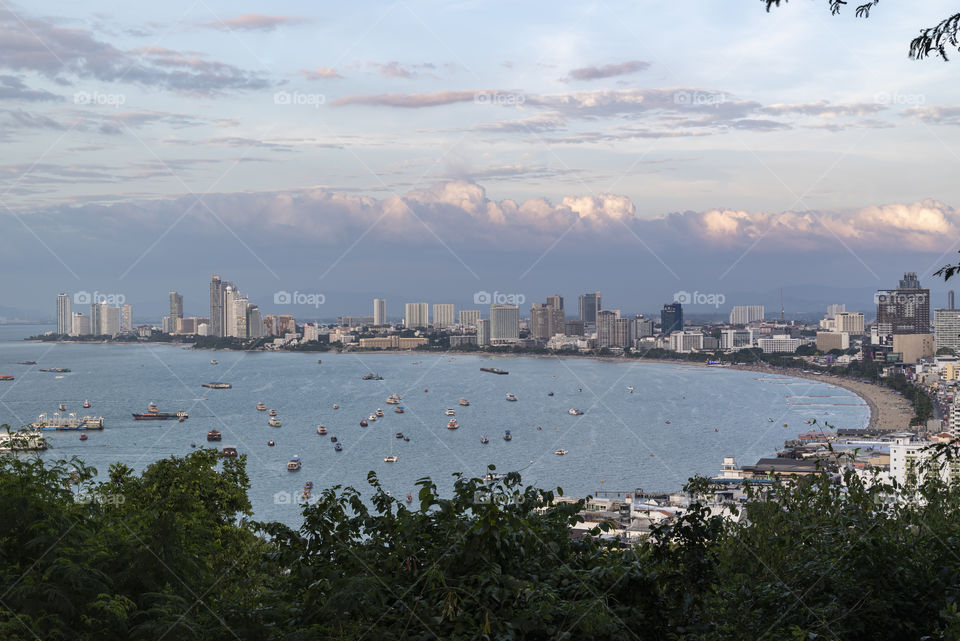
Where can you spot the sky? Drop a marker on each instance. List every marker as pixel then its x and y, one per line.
pixel 432 151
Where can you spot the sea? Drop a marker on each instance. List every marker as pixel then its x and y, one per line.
pixel 677 421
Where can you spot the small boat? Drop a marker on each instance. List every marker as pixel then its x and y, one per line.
pixel 213 362
pixel 337 448
pixel 261 407
pixel 305 495
pixel 86 405
pixel 217 385
pixel 321 430
pixel 270 443
pixel 549 393
pixel 630 388
pixel 560 452
pixel 425 390
pixel 371 377
pixel 214 435
pixel 507 436
pixel 294 464
pixel 539 429
pixel 409 497
pixel 511 397
pixel 399 434
pixel 784 424
pixel 463 402
pixel 484 440
pixel 770 419
pixel 667 421
pixel 274 422
pixel 57 370
pixel 372 418
pixel 450 412
pixel 398 410
pixel 229 452
pixel 379 413
pixel 494 370
pixel 393 400
pixel 390 459
pixel 573 411
pixel 181 419
pixel 62 408
pixel 335 406
pixel 193 444
pixel 83 437
pixel 406 439
pixel 273 412
pixel 363 422
pixel 26 362
pixel 452 425
pixel 333 439
pixel 319 362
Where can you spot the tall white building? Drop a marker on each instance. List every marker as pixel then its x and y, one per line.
pixel 229 316
pixel 946 331
pixel 104 320
pixel 79 324
pixel 443 315
pixel 732 339
pixel 416 315
pixel 684 341
pixel 779 344
pixel 504 323
pixel 746 314
pixel 607 327
pixel 254 322
pixel 64 317
pixel 469 317
pixel 240 303
pixel 483 332
pixel 849 322
pixel 126 318
pixel 379 311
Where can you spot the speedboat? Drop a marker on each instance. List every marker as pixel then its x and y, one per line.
pixel 261 407
pixel 333 439
pixel 549 393
pixel 214 435
pixel 379 413
pixel 321 430
pixel 213 362
pixel 86 405
pixel 450 412
pixel 338 448
pixel 406 439
pixel 390 459
pixel 274 422
pixel 83 437
pixel 667 421
pixel 452 425
pixel 507 436
pixel 770 419
pixel 399 434
pixel 392 400
pixel 294 464
pixel 484 440
pixel 463 402
pixel 398 410
pixel 363 422
pixel 270 443
pixel 335 406
pixel 560 452
pixel 62 408
pixel 573 411
pixel 372 418
pixel 229 452
pixel 273 412
pixel 511 397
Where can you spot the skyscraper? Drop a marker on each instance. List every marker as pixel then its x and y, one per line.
pixel 504 323
pixel 64 316
pixel 469 317
pixel 126 318
pixel 905 310
pixel 483 331
pixel 254 322
pixel 443 315
pixel 589 306
pixel 607 327
pixel 81 324
pixel 746 314
pixel 947 329
pixel 176 311
pixel 379 312
pixel 416 315
pixel 671 318
pixel 539 321
pixel 216 306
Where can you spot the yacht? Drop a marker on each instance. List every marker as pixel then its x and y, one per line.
pixel 214 435
pixel 507 436
pixel 321 430
pixel 452 425
pixel 573 411
pixel 294 464
pixel 560 452
pixel 333 439
pixel 273 412
pixel 630 387
pixel 274 422
pixel 549 393
pixel 213 362
pixel 229 452
pixel 62 408
pixel 393 399
pixel 261 407
pixel 450 412
pixel 270 443
pixel 390 459
pixel 372 418
pixel 86 405
pixel 511 397
pixel 463 402
pixel 399 435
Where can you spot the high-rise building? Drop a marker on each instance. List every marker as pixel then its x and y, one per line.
pixel 64 315
pixel 469 317
pixel 176 311
pixel 239 313
pixel 254 322
pixel 671 318
pixel 607 327
pixel 833 310
pixel 416 315
pixel 732 339
pixel 216 307
pixel 443 315
pixel 946 332
pixel 626 332
pixel 269 325
pixel 539 321
pixel 104 320
pixel 483 331
pixel 126 318
pixel 285 324
pixel 643 326
pixel 589 306
pixel 228 315
pixel 746 314
pixel 504 323
pixel 849 322
pixel 905 310
pixel 574 328
pixel 683 342
pixel 80 324
pixel 379 312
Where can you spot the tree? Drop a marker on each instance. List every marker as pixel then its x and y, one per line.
pixel 932 41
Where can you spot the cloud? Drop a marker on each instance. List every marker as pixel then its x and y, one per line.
pixel 14 88
pixel 934 115
pixel 256 22
pixel 608 71
pixel 394 69
pixel 409 100
pixel 320 73
pixel 825 109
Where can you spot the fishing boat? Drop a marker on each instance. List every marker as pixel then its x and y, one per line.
pixel 507 436
pixel 463 402
pixel 261 407
pixel 273 412
pixel 372 418
pixel 398 410
pixel 484 440
pixel 560 452
pixel 294 464
pixel 511 397
pixel 450 412
pixel 229 452
pixel 452 425
pixel 390 459
pixel 363 422
pixel 321 430
pixel 573 411
pixel 274 422
pixel 379 413
pixel 270 443
pixel 549 393
pixel 217 385
pixel 333 439
pixel 83 437
pixel 62 408
pixel 86 405
pixel 337 448
pixel 214 435
pixel 335 406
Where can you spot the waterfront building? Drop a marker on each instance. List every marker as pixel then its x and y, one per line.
pixel 849 322
pixel 460 341
pixel 504 323
pixel 827 341
pixel 443 315
pixel 79 324
pixel 469 317
pixel 238 321
pixel 910 458
pixel 379 312
pixel 254 322
pixel 671 318
pixel 607 328
pixel 779 344
pixel 64 315
pixel 269 325
pixel 176 311
pixel 746 314
pixel 905 310
pixel 216 306
pixel 574 327
pixel 734 339
pixel 913 347
pixel 946 323
pixel 539 325
pixel 126 318
pixel 684 342
pixel 285 325
pixel 625 332
pixel 416 315
pixel 393 342
pixel 310 333
pixel 644 326
pixel 483 332
pixel 104 320
pixel 589 304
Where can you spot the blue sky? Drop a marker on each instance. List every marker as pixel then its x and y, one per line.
pixel 428 150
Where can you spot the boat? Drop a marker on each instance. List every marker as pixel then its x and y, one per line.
pixel 229 452
pixel 213 362
pixel 305 495
pixel 399 434
pixel 511 397
pixel 294 464
pixel 321 430
pixel 26 362
pixel 261 407
pixel 335 406
pixel 560 452
pixel 463 402
pixel 573 411
pixel 62 408
pixel 549 393
pixel 270 443
pixel 338 448
pixel 217 385
pixel 57 370
pixel 274 422
pixel 181 419
pixel 379 413
pixel 494 370
pixel 372 418
pixel 273 412
pixel 452 425
pixel 409 497
pixel 152 407
pixel 398 410
pixel 214 435
pixel 66 423
pixel 406 439
pixel 630 388
pixel 333 439
pixel 5 377
pixel 371 377
pixel 393 399
pixel 450 412
pixel 390 459
pixel 484 440
pixel 770 419
pixel 363 422
pixel 86 405
pixel 667 421
pixel 507 436
pixel 154 415
pixel 83 437
pixel 319 362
